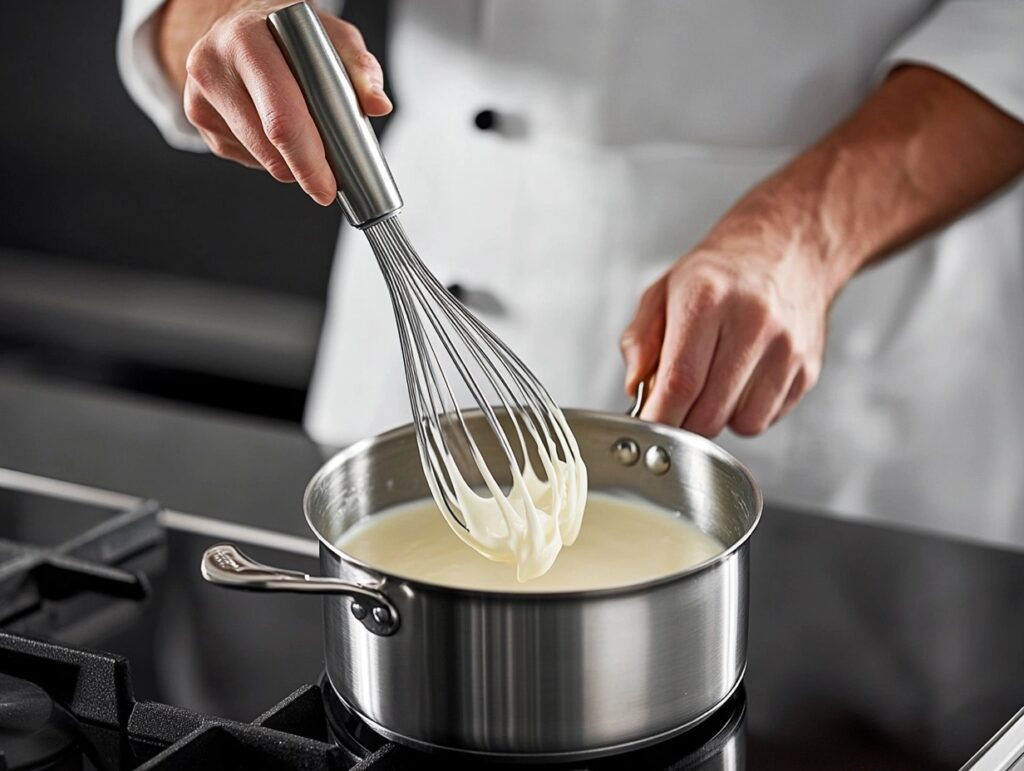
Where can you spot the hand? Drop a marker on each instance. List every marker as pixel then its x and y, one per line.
pixel 240 94
pixel 736 329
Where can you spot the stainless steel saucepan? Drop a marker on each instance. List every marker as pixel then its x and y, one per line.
pixel 536 676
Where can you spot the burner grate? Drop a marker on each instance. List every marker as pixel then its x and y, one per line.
pixel 96 689
pixel 32 575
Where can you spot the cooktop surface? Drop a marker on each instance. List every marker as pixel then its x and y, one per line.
pixel 869 647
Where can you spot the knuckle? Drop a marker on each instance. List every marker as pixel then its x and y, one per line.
pixel 366 62
pixel 748 424
pixel 787 347
pixel 705 421
pixel 199 65
pixel 232 33
pixel 199 113
pixel 683 382
pixel 218 145
pixel 277 168
pixel 758 310
pixel 708 288
pixel 280 128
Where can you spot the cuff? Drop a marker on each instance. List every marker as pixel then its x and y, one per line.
pixel 978 42
pixel 144 78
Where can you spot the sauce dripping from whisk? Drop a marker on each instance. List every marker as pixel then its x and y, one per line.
pixel 528 525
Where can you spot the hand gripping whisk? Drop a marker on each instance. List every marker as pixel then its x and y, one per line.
pixel 526 516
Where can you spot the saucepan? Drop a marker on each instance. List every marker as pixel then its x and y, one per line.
pixel 530 676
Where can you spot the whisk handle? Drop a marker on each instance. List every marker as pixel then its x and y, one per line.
pixel 366 190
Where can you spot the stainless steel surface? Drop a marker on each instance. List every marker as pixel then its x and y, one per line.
pixel 543 675
pixel 642 392
pixel 168 518
pixel 224 565
pixel 657 460
pixel 626 451
pixel 366 190
pixel 1004 751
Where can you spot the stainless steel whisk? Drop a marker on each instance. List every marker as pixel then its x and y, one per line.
pixel 436 331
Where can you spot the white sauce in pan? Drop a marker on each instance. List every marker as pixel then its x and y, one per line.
pixel 621 542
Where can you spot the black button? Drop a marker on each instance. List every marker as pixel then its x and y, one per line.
pixel 457 291
pixel 486 120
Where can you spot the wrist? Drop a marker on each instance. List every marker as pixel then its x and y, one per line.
pixel 791 218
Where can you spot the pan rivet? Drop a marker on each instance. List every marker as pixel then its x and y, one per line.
pixel 358 611
pixel 381 615
pixel 657 459
pixel 626 451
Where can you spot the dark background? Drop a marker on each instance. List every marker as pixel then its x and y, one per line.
pixel 129 264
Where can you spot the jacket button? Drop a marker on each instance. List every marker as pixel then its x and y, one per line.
pixel 486 120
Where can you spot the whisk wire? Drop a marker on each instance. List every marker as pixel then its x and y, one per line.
pixel 432 322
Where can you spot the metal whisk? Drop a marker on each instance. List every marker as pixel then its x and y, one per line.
pixel 437 333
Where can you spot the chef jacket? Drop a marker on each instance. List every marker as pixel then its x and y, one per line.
pixel 614 135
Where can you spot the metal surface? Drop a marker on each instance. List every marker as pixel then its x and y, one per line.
pixel 570 674
pixel 225 565
pixel 1004 751
pixel 366 190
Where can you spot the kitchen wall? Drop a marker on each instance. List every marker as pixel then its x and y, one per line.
pixel 129 264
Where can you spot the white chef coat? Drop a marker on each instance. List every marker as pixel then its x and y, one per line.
pixel 634 125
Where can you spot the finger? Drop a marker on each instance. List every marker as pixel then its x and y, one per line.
pixel 226 146
pixel 284 116
pixel 641 342
pixel 766 391
pixel 691 335
pixel 362 67
pixel 802 383
pixel 215 98
pixel 736 356
pixel 216 134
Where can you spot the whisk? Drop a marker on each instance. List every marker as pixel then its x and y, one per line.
pixel 528 520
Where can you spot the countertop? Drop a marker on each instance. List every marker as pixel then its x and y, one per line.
pixel 869 646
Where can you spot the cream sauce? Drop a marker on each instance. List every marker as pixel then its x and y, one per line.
pixel 530 523
pixel 622 542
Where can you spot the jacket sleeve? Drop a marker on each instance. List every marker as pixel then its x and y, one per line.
pixel 978 42
pixel 144 78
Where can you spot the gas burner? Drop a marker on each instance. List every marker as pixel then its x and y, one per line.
pixel 31 575
pixel 720 737
pixel 34 732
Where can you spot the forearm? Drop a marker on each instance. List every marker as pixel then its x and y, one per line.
pixel 921 151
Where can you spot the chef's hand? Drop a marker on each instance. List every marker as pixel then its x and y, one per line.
pixel 737 327
pixel 241 96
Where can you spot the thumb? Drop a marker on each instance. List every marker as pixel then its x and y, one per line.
pixel 641 342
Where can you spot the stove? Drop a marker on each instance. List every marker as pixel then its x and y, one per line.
pixel 114 654
pixel 80 603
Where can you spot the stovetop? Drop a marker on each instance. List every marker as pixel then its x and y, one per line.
pixel 869 648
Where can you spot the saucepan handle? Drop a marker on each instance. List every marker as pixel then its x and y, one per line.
pixel 225 565
pixel 643 391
